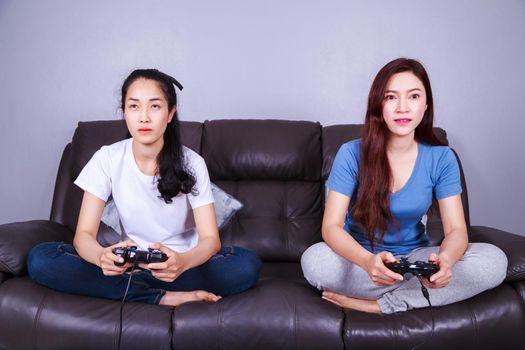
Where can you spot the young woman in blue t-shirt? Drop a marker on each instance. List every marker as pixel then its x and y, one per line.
pixel 379 189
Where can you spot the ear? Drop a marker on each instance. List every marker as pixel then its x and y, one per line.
pixel 172 113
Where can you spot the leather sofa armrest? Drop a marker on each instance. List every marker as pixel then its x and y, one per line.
pixel 513 245
pixel 17 239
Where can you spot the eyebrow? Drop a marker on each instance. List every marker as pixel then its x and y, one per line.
pixel 411 90
pixel 151 99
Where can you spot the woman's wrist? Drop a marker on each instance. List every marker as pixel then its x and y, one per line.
pixel 364 258
pixel 100 252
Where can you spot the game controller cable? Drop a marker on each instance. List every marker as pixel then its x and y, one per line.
pixel 122 304
pixel 132 254
pixel 427 296
pixel 418 269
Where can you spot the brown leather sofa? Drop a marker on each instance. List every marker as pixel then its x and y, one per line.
pixel 277 169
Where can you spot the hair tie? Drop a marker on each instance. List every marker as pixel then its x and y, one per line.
pixel 174 81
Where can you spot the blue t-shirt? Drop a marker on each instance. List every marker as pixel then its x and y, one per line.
pixel 436 170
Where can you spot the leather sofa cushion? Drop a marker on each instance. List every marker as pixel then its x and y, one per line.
pixel 470 324
pixel 279 219
pixel 290 271
pixel 276 314
pixel 262 150
pixel 59 320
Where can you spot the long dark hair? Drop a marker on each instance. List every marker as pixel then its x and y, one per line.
pixel 173 177
pixel 372 207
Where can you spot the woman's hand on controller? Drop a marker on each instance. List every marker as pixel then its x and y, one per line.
pixel 168 270
pixel 107 259
pixel 441 278
pixel 378 272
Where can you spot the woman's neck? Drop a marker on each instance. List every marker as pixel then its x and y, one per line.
pixel 400 145
pixel 146 156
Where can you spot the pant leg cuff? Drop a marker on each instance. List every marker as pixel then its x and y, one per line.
pixel 159 296
pixel 390 304
pixel 385 306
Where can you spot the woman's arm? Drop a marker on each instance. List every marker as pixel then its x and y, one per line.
pixel 345 245
pixel 85 241
pixel 455 242
pixel 209 244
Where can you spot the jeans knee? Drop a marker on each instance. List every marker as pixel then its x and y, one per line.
pixel 254 265
pixel 39 258
pixel 250 266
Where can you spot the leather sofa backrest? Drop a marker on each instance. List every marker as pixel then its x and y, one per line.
pixel 274 168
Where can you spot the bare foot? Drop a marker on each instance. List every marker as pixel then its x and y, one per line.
pixel 177 298
pixel 370 306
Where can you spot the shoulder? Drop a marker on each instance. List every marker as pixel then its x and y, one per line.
pixel 347 158
pixel 350 150
pixel 106 156
pixel 353 146
pixel 436 150
pixel 193 161
pixel 115 149
pixel 343 174
pixel 437 154
pixel 191 156
pixel 439 160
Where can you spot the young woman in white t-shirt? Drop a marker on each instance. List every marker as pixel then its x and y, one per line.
pixel 163 196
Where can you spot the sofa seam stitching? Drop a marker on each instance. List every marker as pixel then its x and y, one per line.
pixel 173 327
pixel 285 214
pixel 474 325
pixel 221 330
pixel 36 321
pixel 295 325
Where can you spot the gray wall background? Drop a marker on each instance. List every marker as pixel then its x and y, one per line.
pixel 63 61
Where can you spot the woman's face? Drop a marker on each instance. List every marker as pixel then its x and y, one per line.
pixel 146 112
pixel 404 104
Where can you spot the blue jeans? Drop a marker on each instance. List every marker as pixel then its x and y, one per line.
pixel 58 266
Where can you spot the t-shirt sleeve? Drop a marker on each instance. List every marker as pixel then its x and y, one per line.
pixel 343 176
pixel 202 194
pixel 448 182
pixel 95 177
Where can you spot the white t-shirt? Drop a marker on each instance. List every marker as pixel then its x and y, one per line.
pixel 145 218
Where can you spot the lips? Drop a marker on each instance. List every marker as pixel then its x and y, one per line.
pixel 403 120
pixel 144 129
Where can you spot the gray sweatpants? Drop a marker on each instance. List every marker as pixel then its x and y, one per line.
pixel 483 266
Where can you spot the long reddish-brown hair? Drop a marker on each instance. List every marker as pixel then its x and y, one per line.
pixel 372 207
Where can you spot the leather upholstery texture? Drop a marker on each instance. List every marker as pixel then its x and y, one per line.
pixel 4 277
pixel 277 169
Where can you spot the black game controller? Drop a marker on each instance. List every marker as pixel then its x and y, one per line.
pixel 131 254
pixel 402 266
